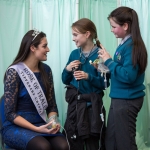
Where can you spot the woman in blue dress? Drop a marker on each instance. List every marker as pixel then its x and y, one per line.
pixel 24 128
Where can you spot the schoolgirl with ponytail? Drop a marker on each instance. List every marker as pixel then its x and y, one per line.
pixel 85 88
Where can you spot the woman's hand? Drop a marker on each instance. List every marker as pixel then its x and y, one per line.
pixel 45 128
pixel 80 75
pixel 20 121
pixel 73 65
pixel 103 53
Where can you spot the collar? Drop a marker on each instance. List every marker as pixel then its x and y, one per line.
pixel 128 36
pixel 87 55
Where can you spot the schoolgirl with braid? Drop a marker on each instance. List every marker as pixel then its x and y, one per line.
pixel 85 86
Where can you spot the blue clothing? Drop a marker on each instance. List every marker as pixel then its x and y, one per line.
pixel 94 83
pixel 126 82
pixel 84 98
pixel 19 103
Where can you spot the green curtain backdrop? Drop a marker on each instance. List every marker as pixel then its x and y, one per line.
pixel 14 23
pixel 55 17
pixel 142 7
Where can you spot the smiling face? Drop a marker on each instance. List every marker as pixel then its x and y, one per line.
pixel 40 52
pixel 118 30
pixel 80 39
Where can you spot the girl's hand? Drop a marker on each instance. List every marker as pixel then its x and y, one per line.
pixel 103 53
pixel 45 128
pixel 73 65
pixel 80 75
pixel 95 65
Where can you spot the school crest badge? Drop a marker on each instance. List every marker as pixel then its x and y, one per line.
pixel 118 56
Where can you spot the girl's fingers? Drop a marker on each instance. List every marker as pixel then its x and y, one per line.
pixel 76 62
pixel 80 75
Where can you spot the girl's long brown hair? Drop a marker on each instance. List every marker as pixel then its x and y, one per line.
pixel 127 15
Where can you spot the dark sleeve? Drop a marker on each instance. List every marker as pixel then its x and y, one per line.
pixel 11 92
pixel 52 106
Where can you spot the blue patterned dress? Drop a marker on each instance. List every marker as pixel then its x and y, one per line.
pixel 18 102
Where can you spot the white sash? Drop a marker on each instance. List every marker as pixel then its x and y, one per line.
pixel 33 87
